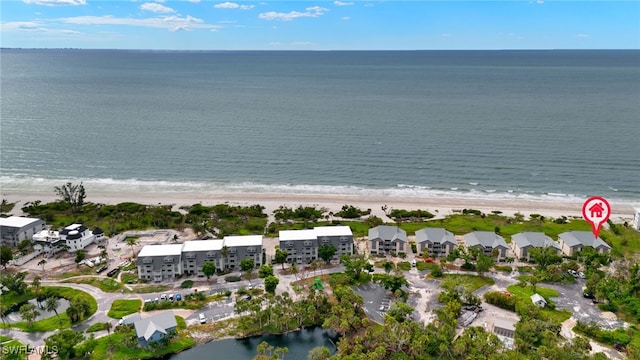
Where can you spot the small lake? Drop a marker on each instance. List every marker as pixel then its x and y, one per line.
pixel 14 316
pixel 298 342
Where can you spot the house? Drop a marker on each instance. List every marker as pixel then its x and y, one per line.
pixel 487 242
pixel 99 234
pixel 77 237
pixel 48 241
pixel 538 300
pixel 384 239
pixel 196 252
pixel 596 210
pixel 14 229
pixel 160 262
pixel 240 248
pixel 437 241
pixel 504 329
pixel 155 327
pixel 129 319
pixel 525 241
pixel 302 245
pixel 572 242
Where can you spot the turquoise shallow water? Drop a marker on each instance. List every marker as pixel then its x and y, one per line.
pixel 515 124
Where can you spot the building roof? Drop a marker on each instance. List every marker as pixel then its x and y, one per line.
pixel 435 235
pixel 387 232
pixel 536 298
pixel 97 231
pixel 333 231
pixel 503 323
pixel 145 328
pixel 202 245
pixel 584 238
pixel 17 221
pixel 484 239
pixel 246 240
pixel 160 250
pixel 293 235
pixel 535 239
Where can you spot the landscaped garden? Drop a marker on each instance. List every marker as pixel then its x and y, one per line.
pixel 123 307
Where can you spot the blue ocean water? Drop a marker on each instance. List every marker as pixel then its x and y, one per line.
pixel 525 124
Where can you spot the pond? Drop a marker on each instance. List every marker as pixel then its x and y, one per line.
pixel 298 342
pixel 14 316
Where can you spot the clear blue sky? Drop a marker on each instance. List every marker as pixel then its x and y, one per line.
pixel 320 25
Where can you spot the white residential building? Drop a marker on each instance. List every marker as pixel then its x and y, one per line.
pixel 14 229
pixel 77 237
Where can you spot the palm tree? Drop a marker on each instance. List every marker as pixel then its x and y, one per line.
pixel 42 263
pixel 73 313
pixel 35 284
pixel 225 254
pixel 51 304
pixel 131 241
pixel 108 327
pixel 29 312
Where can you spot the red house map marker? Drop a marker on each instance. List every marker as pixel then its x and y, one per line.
pixel 596 211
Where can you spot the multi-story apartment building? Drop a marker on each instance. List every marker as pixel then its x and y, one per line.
pixel 14 229
pixel 195 253
pixel 437 241
pixel 302 245
pixel 160 262
pixel 385 239
pixel 487 242
pixel 240 248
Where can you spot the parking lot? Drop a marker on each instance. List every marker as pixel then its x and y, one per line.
pixel 376 300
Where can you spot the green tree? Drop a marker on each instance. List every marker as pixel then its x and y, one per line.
pixel 225 255
pixel 35 284
pixel 65 342
pixel 319 353
pixel 354 265
pixel 81 254
pixel 51 304
pixel 131 241
pixel 6 255
pixel 15 282
pixel 483 264
pixel 28 313
pixel 72 194
pixel 209 268
pixel 391 282
pixel 247 266
pixel 270 284
pixel 545 256
pixel 84 349
pixel 400 311
pixel 25 246
pixel 476 343
pixel 265 271
pixel 42 263
pixel 326 252
pixel 388 266
pixel 281 257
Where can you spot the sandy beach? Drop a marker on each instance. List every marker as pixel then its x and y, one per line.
pixel 440 206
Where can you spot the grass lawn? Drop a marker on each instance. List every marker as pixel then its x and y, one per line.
pixel 97 327
pixel 129 278
pixel 404 265
pixel 12 349
pixel 85 270
pixel 469 282
pixel 503 268
pixel 524 294
pixel 150 289
pixel 124 307
pixel 117 347
pixel 10 298
pixel 423 265
pixel 104 284
pixel 53 322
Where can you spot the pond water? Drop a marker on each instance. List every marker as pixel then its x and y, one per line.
pixel 14 316
pixel 298 342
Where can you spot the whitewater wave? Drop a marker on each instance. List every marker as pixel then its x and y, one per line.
pixel 38 185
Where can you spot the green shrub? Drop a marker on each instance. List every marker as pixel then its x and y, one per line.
pixel 187 284
pixel 232 278
pixel 501 300
pixel 404 265
pixel 436 272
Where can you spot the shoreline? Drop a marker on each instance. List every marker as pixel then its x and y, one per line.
pixel 621 211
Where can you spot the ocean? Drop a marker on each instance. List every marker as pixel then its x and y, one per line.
pixel 550 125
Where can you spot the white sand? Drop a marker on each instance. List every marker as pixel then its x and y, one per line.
pixel 440 206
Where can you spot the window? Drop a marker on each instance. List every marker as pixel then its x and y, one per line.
pixel 344 239
pixel 147 260
pixel 289 244
pixel 211 254
pixel 326 240
pixel 190 255
pixel 168 259
pixel 251 249
pixel 308 243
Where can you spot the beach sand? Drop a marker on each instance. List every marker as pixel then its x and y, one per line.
pixel 440 206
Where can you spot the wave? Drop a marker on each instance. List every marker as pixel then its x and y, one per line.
pixel 39 185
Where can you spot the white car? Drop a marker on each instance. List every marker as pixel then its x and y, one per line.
pixel 203 319
pixel 163 297
pixel 582 276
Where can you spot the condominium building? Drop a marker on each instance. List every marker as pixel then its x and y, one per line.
pixel 14 229
pixel 195 253
pixel 302 245
pixel 385 239
pixel 159 262
pixel 436 241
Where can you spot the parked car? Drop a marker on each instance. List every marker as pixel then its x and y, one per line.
pixel 413 263
pixel 588 295
pixel 581 275
pixel 381 308
pixel 163 297
pixel 101 269
pixel 178 297
pixel 113 272
pixel 170 297
pixel 203 319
